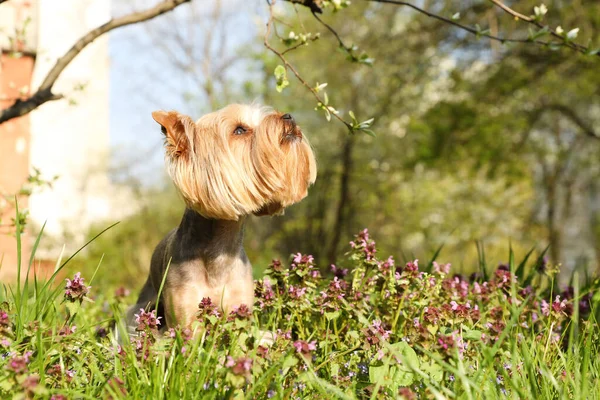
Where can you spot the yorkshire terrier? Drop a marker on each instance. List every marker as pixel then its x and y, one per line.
pixel 240 160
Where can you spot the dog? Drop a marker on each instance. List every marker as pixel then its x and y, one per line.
pixel 237 161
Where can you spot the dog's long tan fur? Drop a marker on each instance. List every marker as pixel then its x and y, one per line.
pixel 240 160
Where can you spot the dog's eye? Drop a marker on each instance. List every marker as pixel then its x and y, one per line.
pixel 240 130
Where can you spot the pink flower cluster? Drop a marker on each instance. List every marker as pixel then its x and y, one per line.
pixel 376 333
pixel 240 312
pixel 305 348
pixel 147 320
pixel 363 242
pixel 207 308
pixel 240 366
pixel 557 306
pixel 264 293
pixel 75 289
pixel 18 364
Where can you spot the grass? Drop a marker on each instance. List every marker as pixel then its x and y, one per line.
pixel 366 329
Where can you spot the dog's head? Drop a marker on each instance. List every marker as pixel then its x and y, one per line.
pixel 240 160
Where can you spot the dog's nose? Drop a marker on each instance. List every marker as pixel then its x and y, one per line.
pixel 287 117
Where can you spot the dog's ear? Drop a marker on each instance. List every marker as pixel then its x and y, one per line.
pixel 177 129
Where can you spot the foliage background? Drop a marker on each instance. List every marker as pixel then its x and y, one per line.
pixel 475 140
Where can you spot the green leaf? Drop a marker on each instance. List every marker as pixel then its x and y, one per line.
pixel 288 363
pixel 332 315
pixel 354 120
pixel 406 354
pixel 5 385
pixel 334 370
pixel 368 132
pixel 403 374
pixel 72 308
pixel 533 35
pixel 435 371
pixel 472 334
pixel 279 71
pixel 379 373
pixel 593 52
pixel 281 78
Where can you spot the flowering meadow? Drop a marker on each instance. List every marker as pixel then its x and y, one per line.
pixel 368 327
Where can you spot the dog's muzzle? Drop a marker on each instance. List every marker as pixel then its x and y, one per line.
pixel 291 131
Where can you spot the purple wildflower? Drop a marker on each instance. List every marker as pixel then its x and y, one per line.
pixel 240 312
pixel 304 347
pixel 122 292
pixel 302 259
pixel 406 394
pixel 67 330
pixel 375 333
pixel 287 335
pixel 558 305
pixel 18 364
pixel 4 320
pixel 297 292
pixel 545 307
pixel 207 308
pixel 441 268
pixel 146 320
pixel 241 366
pixel 412 269
pixel 75 289
pixel 387 265
pixel 338 271
pixel 29 384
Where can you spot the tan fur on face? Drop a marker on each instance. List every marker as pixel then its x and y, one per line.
pixel 224 176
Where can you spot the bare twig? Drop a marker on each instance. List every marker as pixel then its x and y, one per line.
pixel 562 41
pixel 511 11
pixel 458 25
pixel 44 92
pixel 339 39
pixel 302 43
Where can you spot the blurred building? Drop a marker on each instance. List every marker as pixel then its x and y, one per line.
pixel 67 139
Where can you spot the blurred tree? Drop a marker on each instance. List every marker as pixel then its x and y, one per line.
pixel 476 140
pixel 495 109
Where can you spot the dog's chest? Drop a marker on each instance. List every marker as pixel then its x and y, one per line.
pixel 227 281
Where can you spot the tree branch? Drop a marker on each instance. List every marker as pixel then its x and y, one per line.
pixel 44 92
pixel 450 21
pixel 570 114
pixel 289 66
pixel 511 11
pixel 311 4
pixel 563 40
